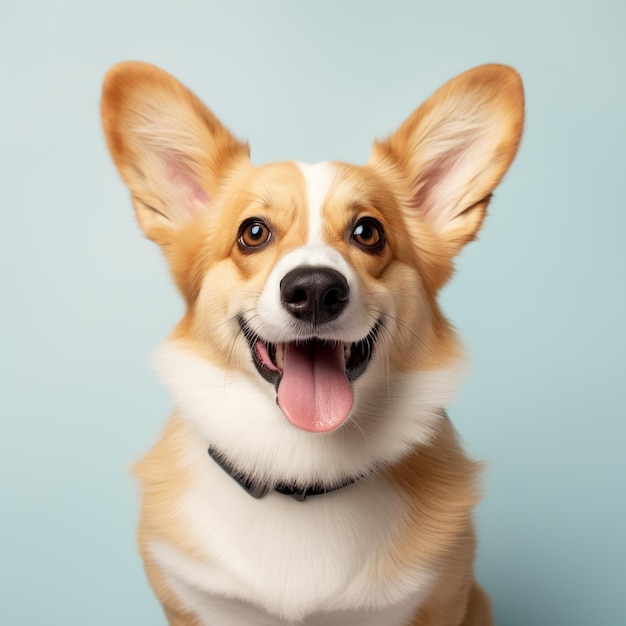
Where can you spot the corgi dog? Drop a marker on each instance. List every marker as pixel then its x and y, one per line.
pixel 309 473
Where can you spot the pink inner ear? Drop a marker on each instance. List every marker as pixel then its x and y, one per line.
pixel 187 196
pixel 427 198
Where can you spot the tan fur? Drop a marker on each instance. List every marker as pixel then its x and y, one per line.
pixel 456 605
pixel 429 184
pixel 163 477
pixel 440 484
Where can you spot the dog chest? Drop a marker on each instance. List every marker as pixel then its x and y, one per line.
pixel 321 562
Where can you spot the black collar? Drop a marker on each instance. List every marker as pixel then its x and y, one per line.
pixel 259 489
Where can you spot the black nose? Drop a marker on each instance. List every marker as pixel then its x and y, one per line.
pixel 314 294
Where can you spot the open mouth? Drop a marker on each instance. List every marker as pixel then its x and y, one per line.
pixel 313 377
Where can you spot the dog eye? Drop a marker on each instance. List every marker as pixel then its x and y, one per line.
pixel 253 234
pixel 368 234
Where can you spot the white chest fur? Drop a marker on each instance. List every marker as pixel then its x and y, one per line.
pixel 278 561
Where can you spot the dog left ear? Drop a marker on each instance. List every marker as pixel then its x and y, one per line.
pixel 171 151
pixel 455 148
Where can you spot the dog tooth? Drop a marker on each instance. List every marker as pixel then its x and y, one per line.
pixel 279 355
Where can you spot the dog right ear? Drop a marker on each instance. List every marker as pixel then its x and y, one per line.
pixel 453 151
pixel 170 150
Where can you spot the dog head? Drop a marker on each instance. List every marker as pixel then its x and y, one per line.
pixel 316 285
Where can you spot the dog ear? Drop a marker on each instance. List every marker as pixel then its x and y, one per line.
pixel 454 149
pixel 170 150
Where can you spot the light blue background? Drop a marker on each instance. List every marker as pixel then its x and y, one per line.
pixel 540 299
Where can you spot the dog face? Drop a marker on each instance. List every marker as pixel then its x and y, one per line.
pixel 312 328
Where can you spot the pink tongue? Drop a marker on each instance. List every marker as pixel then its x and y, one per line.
pixel 314 392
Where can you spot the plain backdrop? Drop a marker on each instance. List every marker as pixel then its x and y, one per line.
pixel 540 300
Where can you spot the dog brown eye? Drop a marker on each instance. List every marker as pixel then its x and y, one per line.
pixel 368 234
pixel 253 234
